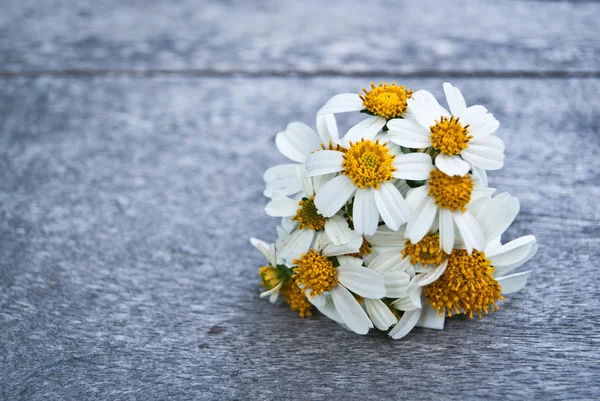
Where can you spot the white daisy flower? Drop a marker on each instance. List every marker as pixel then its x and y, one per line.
pixel 296 143
pixel 367 170
pixel 271 274
pixel 322 276
pixel 463 137
pixel 381 103
pixel 433 296
pixel 446 202
pixel 307 221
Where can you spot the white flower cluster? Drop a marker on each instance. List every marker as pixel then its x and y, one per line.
pixel 392 225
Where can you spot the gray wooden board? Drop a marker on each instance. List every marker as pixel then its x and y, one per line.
pixel 125 269
pixel 311 37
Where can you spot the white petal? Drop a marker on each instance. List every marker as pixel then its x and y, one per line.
pixel 282 179
pixel 514 282
pixel 327 128
pixel 353 246
pixel 297 141
pixel 404 304
pixel 342 103
pixel 455 99
pixel 337 230
pixel 318 300
pixel 333 195
pixel 479 177
pixel 324 162
pixel 306 182
pixel 413 166
pixel 481 123
pixel 452 165
pixel 366 129
pixel 408 133
pixel 328 309
pixel 469 229
pixel 391 205
pixel 497 214
pixel 422 220
pixel 433 275
pixel 431 319
pixel 362 281
pixel 512 255
pixel 321 180
pixel 364 213
pixel 349 260
pixel 487 153
pixel 271 292
pixel 298 244
pixel 385 237
pixel 396 284
pixel 446 230
pixel 386 261
pixel 424 108
pixel 380 314
pixel 281 206
pixel 406 324
pixel 350 310
pixel 415 292
pixel 416 197
pixel 268 250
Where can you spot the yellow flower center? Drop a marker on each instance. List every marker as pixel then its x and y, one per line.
pixel 449 136
pixel 270 277
pixel 467 286
pixel 450 192
pixel 308 216
pixel 427 251
pixel 315 272
pixel 368 163
pixel 388 101
pixel 296 298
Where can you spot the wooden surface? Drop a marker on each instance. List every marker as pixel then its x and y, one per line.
pixel 133 137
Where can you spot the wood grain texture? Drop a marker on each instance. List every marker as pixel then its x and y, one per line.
pixel 483 37
pixel 126 273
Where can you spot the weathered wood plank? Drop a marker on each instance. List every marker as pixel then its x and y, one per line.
pixel 125 270
pixel 425 37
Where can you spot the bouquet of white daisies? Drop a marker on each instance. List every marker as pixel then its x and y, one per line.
pixel 392 225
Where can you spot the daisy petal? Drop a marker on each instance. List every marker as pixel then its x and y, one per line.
pixel 408 133
pixel 413 166
pixel 396 284
pixel 386 261
pixel 364 212
pixel 455 99
pixel 433 275
pixel 333 195
pixel 268 250
pixel 469 230
pixel 350 310
pixel 366 129
pixel 452 165
pixel 415 198
pixel 353 246
pixel 512 255
pixel 404 304
pixel 406 324
pixel 431 319
pixel 391 205
pixel 327 128
pixel 446 230
pixel 514 282
pixel 487 153
pixel 342 103
pixel 385 237
pixel 283 179
pixel 297 141
pixel 324 162
pixel 422 220
pixel 381 316
pixel 297 244
pixel 337 230
pixel 328 309
pixel 497 214
pixel 281 206
pixel 362 281
pixel 425 109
